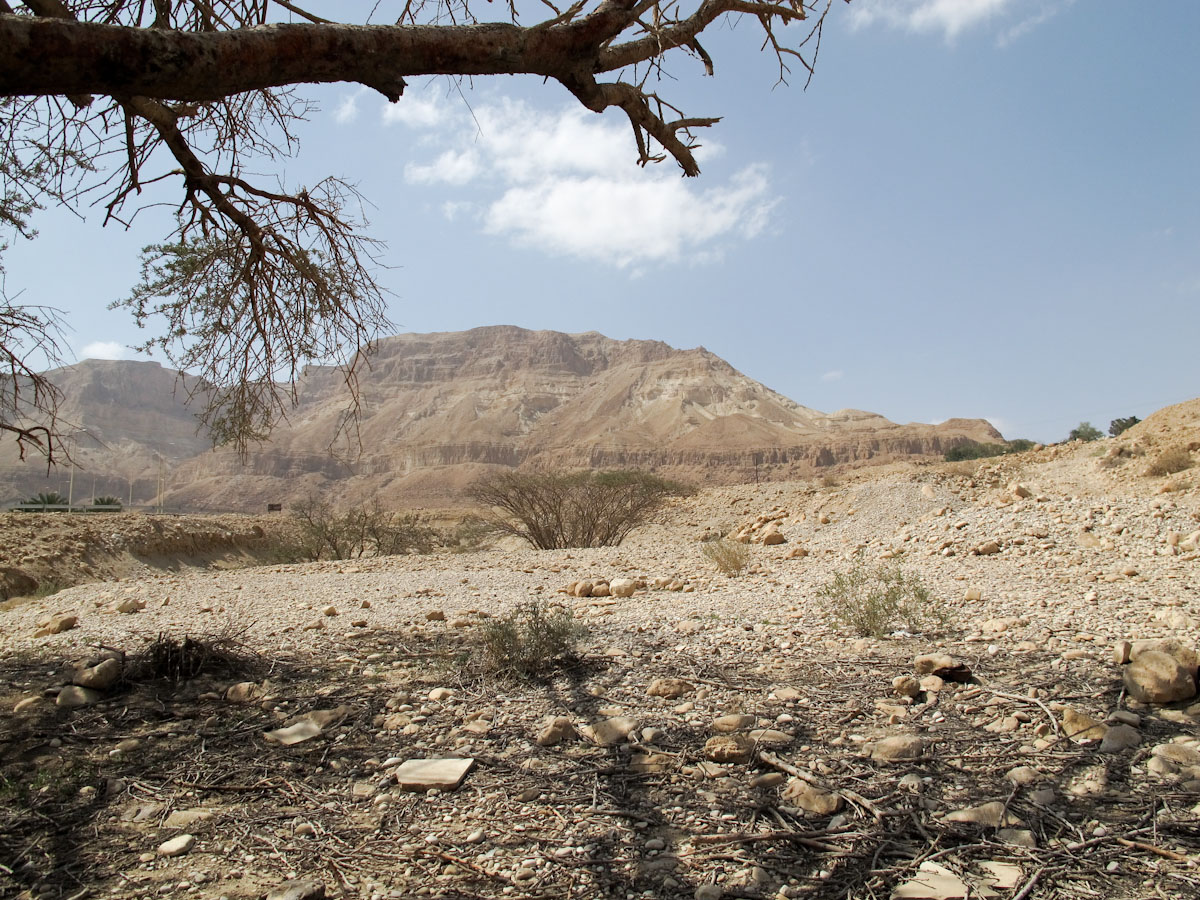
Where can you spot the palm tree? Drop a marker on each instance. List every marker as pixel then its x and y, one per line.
pixel 106 501
pixel 44 499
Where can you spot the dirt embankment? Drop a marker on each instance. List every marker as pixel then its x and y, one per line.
pixel 43 553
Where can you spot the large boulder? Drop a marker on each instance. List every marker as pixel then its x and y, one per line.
pixel 1157 677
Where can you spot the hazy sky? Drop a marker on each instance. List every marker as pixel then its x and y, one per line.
pixel 978 208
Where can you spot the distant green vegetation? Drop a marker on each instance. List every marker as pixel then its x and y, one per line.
pixel 980 450
pixel 44 499
pixel 1085 431
pixel 1116 426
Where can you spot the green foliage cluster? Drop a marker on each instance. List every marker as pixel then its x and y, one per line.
pixel 46 498
pixel 872 601
pixel 730 557
pixel 1117 426
pixel 555 510
pixel 1085 431
pixel 106 501
pixel 531 641
pixel 980 450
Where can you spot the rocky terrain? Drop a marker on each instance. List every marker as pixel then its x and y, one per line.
pixel 437 409
pixel 717 736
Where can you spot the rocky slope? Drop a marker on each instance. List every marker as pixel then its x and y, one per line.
pixel 436 407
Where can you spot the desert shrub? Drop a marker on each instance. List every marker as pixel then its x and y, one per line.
pixel 730 557
pixel 1117 426
pixel 872 601
pixel 554 510
pixel 980 450
pixel 530 641
pixel 322 533
pixel 470 535
pixel 829 481
pixel 1169 462
pixel 178 659
pixel 1085 431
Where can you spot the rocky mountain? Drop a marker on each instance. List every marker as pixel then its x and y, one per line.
pixel 437 409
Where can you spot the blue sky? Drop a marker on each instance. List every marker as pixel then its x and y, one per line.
pixel 978 208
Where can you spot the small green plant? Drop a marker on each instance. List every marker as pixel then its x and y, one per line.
pixel 1117 426
pixel 1085 431
pixel 872 601
pixel 531 640
pixel 730 557
pixel 1169 462
pixel 106 501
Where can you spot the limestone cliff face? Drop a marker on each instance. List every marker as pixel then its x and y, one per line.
pixel 437 407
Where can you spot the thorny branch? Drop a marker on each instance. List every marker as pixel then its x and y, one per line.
pixel 254 284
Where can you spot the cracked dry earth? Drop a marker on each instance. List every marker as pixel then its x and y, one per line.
pixel 847 772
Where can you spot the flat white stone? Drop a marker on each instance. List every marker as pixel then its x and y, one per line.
pixel 177 846
pixel 423 774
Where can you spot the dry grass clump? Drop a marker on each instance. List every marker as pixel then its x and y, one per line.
pixel 1176 459
pixel 873 601
pixel 531 641
pixel 730 557
pixel 172 659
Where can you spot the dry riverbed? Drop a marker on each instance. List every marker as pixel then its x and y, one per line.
pixel 717 736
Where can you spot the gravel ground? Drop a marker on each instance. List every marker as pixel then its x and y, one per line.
pixel 1046 561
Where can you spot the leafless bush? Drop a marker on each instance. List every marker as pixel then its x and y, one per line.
pixel 323 533
pixel 730 557
pixel 553 510
pixel 176 659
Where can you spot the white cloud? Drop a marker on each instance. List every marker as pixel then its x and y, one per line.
pixel 833 375
pixel 452 167
pixel 347 110
pixel 567 182
pixel 953 17
pixel 415 110
pixel 104 350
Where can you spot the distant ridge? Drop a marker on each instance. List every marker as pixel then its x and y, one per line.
pixel 437 409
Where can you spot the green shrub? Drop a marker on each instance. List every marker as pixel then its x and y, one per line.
pixel 533 639
pixel 555 510
pixel 1085 431
pixel 1169 462
pixel 1117 426
pixel 873 601
pixel 730 557
pixel 980 450
pixel 106 501
pixel 44 499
